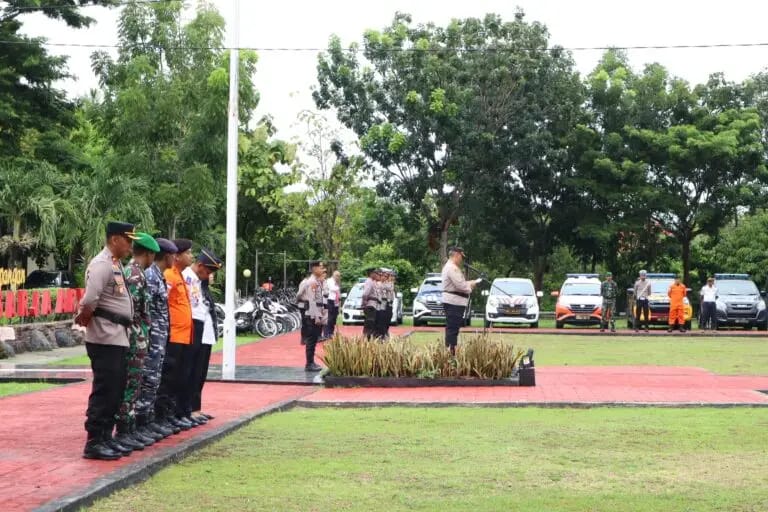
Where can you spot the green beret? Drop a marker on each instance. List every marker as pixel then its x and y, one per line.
pixel 146 241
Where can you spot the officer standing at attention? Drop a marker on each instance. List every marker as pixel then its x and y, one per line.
pixel 609 291
pixel 106 311
pixel 334 301
pixel 389 297
pixel 146 422
pixel 642 291
pixel 197 278
pixel 381 308
pixel 370 302
pixel 173 393
pixel 310 295
pixel 456 291
pixel 677 292
pixel 144 249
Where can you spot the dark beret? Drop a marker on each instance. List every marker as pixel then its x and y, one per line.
pixel 182 244
pixel 167 246
pixel 208 259
pixel 121 228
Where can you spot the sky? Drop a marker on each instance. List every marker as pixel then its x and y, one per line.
pixel 285 79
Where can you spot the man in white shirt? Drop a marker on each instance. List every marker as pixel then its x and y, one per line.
pixel 709 306
pixel 370 302
pixel 197 278
pixel 334 301
pixel 456 291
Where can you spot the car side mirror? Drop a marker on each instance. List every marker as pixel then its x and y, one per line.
pixel 343 295
pixel 399 295
pixel 555 294
pixel 630 291
pixel 414 290
pixel 485 293
pixel 763 293
pixel 539 294
pixel 688 290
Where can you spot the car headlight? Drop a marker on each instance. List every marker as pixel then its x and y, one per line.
pixel 686 301
pixel 419 305
pixel 493 302
pixel 760 305
pixel 533 304
pixel 721 305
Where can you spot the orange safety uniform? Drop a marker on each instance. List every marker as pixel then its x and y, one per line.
pixel 179 307
pixel 677 293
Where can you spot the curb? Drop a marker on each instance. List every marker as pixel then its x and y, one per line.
pixel 143 469
pixel 309 404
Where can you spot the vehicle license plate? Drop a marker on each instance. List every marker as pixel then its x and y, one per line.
pixel 583 317
pixel 742 321
pixel 662 319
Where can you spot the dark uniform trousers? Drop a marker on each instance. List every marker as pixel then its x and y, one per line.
pixel 386 322
pixel 333 316
pixel 310 333
pixel 170 396
pixel 708 315
pixel 642 307
pixel 200 358
pixel 454 317
pixel 370 323
pixel 108 364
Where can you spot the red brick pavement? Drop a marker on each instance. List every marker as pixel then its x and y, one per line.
pixel 42 437
pixel 580 385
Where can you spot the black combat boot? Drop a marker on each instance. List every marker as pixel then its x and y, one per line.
pixel 112 443
pixel 179 423
pixel 142 427
pixel 95 448
pixel 161 426
pixel 140 437
pixel 125 438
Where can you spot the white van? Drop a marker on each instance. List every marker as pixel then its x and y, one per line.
pixel 512 300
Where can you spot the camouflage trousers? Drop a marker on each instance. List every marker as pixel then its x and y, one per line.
pixel 608 312
pixel 150 381
pixel 126 415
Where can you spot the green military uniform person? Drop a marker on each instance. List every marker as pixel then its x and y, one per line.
pixel 144 249
pixel 609 291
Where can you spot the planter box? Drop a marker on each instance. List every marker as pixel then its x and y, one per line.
pixel 332 381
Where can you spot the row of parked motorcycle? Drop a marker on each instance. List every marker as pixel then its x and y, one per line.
pixel 266 314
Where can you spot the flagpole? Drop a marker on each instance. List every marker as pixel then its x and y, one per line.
pixel 228 362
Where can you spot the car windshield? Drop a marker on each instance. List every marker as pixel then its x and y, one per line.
pixel 580 289
pixel 356 293
pixel 511 288
pixel 429 287
pixel 661 286
pixel 736 288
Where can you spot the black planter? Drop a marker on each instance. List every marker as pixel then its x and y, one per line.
pixel 527 376
pixel 332 381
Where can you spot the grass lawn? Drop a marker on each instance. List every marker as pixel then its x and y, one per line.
pixel 84 361
pixel 727 356
pixel 458 459
pixel 17 388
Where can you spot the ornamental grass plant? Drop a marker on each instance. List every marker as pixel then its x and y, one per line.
pixel 477 357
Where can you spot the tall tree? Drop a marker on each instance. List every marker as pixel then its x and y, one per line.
pixel 427 102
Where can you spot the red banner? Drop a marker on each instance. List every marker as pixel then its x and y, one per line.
pixel 37 303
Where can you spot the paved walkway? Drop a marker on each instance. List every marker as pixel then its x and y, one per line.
pixel 41 433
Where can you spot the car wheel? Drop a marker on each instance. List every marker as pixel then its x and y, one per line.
pixel 763 326
pixel 417 322
pixel 688 325
pixel 559 325
pixel 468 321
pixel 488 324
pixel 747 327
pixel 535 325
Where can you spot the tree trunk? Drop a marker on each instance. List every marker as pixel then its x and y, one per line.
pixel 539 267
pixel 15 255
pixel 685 243
pixel 444 227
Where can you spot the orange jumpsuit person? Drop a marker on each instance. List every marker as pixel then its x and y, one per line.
pixel 677 293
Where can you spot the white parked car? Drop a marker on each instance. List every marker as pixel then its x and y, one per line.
pixel 428 302
pixel 579 301
pixel 352 309
pixel 512 300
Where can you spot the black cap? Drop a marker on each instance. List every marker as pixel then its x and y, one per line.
pixel 208 259
pixel 167 246
pixel 371 270
pixel 454 249
pixel 182 244
pixel 121 228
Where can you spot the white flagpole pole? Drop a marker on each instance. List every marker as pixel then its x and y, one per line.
pixel 228 365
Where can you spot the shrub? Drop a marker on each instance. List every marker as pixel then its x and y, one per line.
pixel 479 357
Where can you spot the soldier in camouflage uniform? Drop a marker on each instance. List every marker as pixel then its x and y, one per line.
pixel 144 249
pixel 609 291
pixel 146 422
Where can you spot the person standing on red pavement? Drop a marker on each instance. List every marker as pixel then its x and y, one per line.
pixel 106 312
pixel 677 292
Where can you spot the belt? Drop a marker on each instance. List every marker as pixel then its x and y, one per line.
pixel 112 317
pixel 460 294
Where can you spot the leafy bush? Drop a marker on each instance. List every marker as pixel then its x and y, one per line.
pixel 479 357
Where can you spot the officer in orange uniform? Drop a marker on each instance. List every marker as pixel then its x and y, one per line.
pixel 174 394
pixel 677 293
